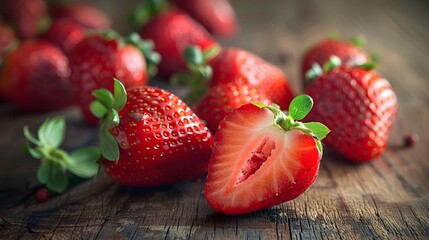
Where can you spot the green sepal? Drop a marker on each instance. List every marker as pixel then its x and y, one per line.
pixel 319 129
pixel 198 75
pixel 83 162
pixel 300 106
pixel 52 132
pixel 98 109
pixel 193 55
pixel 109 147
pixel 104 96
pixel 332 63
pixel 53 176
pixel 146 10
pixel 211 53
pixel 314 72
pixel 54 161
pixel 119 95
pixel 368 65
pixel 146 47
pixel 111 120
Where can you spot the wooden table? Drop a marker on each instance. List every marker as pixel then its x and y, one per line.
pixel 387 198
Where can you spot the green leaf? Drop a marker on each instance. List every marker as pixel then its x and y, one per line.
pixel 34 152
pixel 52 131
pixel 319 130
pixel 98 109
pixel 104 96
pixel 44 171
pixel 109 146
pixel 57 180
pixel 30 137
pixel 315 71
pixel 333 62
pixel 368 65
pixel 181 79
pixel 206 72
pixel 119 95
pixel 300 106
pixel 211 53
pixel 111 120
pixel 193 55
pixel 83 162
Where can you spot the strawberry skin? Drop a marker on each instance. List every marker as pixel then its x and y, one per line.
pixel 172 32
pixel 7 40
pixel 256 165
pixel 65 34
pixel 96 60
pixel 240 67
pixel 348 53
pixel 223 99
pixel 36 78
pixel 161 140
pixel 217 16
pixel 86 14
pixel 359 106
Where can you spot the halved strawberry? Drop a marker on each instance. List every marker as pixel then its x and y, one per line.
pixel 263 157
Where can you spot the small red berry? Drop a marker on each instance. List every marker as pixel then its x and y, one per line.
pixel 411 139
pixel 42 194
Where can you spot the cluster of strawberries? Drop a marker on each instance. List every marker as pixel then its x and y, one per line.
pixel 241 123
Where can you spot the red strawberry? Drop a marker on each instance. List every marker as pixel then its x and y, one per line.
pixel 85 14
pixel 217 16
pixel 65 34
pixel 25 15
pixel 154 138
pixel 7 40
pixel 223 99
pixel 172 32
pixel 35 77
pixel 349 54
pixel 359 106
pixel 244 68
pixel 263 157
pixel 98 58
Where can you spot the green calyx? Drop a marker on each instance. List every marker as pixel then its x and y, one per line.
pixel 147 48
pixel 146 10
pixel 55 162
pixel 106 107
pixel 299 108
pixel 316 70
pixel 199 72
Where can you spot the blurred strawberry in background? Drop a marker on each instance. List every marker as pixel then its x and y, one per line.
pixel 35 77
pixel 27 17
pixel 85 14
pixel 217 16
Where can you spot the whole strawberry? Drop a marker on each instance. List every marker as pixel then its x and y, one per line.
pixel 217 16
pixel 27 16
pixel 240 67
pixel 350 54
pixel 36 77
pixel 149 137
pixel 359 106
pixel 86 14
pixel 65 34
pixel 263 157
pixel 100 57
pixel 172 31
pixel 223 99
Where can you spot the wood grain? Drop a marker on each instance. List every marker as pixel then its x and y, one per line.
pixel 387 198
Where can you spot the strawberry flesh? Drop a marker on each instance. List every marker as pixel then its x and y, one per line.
pixel 256 164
